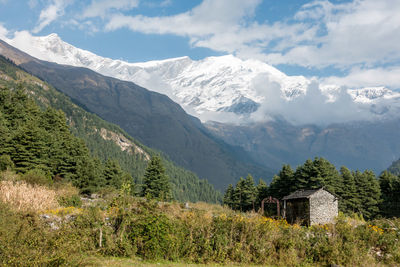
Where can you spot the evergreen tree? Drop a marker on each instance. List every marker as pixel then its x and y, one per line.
pixel 316 174
pixel 250 193
pixel 283 184
pixel 390 187
pixel 262 192
pixel 374 195
pixel 228 196
pixel 349 201
pixel 156 182
pixel 113 174
pixel 304 174
pixel 245 194
pixel 368 192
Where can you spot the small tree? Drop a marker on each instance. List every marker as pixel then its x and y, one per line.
pixel 156 182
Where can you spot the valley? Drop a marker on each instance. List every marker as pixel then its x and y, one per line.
pixel 199 133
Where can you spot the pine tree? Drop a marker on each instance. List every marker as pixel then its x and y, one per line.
pixel 244 195
pixel 228 196
pixel 349 201
pixel 368 192
pixel 390 187
pixel 374 195
pixel 113 174
pixel 262 192
pixel 327 176
pixel 250 193
pixel 283 184
pixel 156 182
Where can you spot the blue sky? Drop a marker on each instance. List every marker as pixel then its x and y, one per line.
pixel 349 42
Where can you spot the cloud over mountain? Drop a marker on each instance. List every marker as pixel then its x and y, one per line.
pixel 229 89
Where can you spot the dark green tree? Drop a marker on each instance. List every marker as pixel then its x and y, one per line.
pixel 390 188
pixel 316 174
pixel 113 174
pixel 283 183
pixel 369 193
pixel 349 201
pixel 228 196
pixel 244 195
pixel 262 192
pixel 155 182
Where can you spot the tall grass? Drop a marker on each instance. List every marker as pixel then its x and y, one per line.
pixel 125 226
pixel 26 197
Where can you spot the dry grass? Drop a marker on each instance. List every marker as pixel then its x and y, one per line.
pixel 25 197
pixel 65 190
pixel 9 176
pixel 177 210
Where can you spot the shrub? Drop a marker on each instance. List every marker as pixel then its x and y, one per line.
pixel 6 163
pixel 70 201
pixel 37 177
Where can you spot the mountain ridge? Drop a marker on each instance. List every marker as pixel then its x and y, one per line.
pixel 224 88
pixel 105 140
pixel 152 118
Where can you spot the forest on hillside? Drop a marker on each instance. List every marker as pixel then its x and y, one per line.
pixel 39 141
pixel 186 186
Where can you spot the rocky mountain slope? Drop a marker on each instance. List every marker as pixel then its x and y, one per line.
pixel 358 145
pixel 150 117
pixel 105 140
pixel 274 117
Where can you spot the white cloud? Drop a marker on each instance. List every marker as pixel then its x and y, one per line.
pixel 99 8
pixel 51 13
pixel 3 32
pixel 224 25
pixel 313 107
pixel 363 32
pixel 374 77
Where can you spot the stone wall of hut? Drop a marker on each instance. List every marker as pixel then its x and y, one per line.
pixel 323 207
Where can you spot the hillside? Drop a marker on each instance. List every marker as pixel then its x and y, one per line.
pixel 359 145
pixel 105 140
pixel 273 118
pixel 395 167
pixel 224 88
pixel 150 117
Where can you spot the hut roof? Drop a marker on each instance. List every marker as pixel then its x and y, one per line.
pixel 303 193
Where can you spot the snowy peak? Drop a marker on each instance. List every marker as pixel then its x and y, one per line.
pixel 216 88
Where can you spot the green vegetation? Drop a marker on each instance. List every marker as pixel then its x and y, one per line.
pixel 390 187
pixel 45 165
pixel 156 182
pixel 100 138
pixel 359 192
pixel 40 145
pixel 125 227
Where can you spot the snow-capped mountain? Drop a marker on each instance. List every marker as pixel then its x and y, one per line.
pixel 223 88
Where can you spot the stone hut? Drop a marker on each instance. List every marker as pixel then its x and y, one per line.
pixel 308 207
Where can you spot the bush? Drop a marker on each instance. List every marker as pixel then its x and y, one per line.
pixel 70 201
pixel 6 163
pixel 26 241
pixel 37 177
pixel 134 227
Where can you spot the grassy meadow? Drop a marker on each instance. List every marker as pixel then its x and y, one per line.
pixel 50 225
